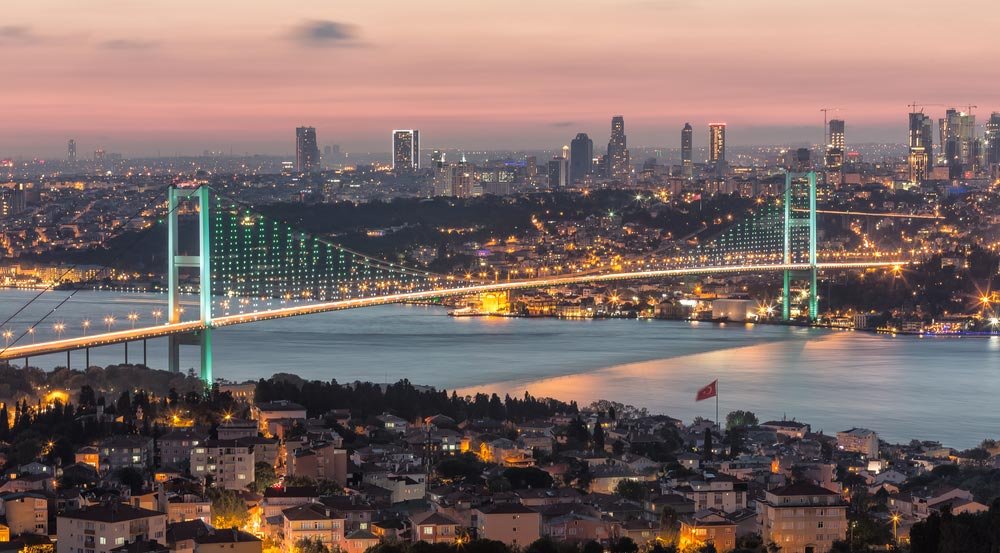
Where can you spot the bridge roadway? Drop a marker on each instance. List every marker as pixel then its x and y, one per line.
pixel 167 329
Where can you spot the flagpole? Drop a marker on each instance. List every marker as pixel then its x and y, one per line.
pixel 718 424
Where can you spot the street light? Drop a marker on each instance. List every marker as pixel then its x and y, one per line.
pixel 7 335
pixel 31 331
pixel 133 316
pixel 109 320
pixel 86 325
pixel 895 518
pixel 59 328
pixel 156 315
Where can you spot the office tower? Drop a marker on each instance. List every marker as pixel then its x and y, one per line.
pixel 306 150
pixel 958 137
pixel 559 171
pixel 921 143
pixel 717 145
pixel 992 141
pixel 581 156
pixel 618 161
pixel 463 179
pixel 687 150
pixel 531 167
pixel 71 147
pixel 837 139
pixel 405 150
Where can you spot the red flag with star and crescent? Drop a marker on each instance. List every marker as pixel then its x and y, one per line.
pixel 708 391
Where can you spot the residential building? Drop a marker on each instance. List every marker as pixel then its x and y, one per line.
pixel 310 521
pixel 27 512
pixel 802 518
pixel 228 463
pixel 101 528
pixel 511 523
pixel 228 541
pixel 306 150
pixel 405 150
pixel 320 461
pixel 125 451
pixel 858 440
pixel 175 446
pixel 268 413
pixel 434 527
pixel 709 526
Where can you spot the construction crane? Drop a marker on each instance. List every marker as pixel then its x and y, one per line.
pixel 969 107
pixel 913 106
pixel 826 130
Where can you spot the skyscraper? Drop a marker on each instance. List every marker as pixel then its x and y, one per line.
pixel 618 161
pixel 717 145
pixel 837 139
pixel 71 150
pixel 687 150
pixel 992 142
pixel 559 170
pixel 834 158
pixel 921 142
pixel 581 157
pixel 405 150
pixel 958 142
pixel 306 150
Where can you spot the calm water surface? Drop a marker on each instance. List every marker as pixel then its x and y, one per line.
pixel 945 389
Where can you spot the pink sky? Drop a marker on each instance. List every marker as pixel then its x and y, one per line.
pixel 185 75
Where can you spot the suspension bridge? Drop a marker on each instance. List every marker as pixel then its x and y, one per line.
pixel 250 268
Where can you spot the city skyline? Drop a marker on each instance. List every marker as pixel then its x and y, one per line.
pixel 148 79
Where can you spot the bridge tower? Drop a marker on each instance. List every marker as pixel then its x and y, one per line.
pixel 800 238
pixel 202 263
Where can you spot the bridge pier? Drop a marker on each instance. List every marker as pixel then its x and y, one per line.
pixel 202 339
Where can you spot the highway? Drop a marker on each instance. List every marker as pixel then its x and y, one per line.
pixel 167 329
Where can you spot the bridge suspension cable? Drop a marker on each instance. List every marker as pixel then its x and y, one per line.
pixel 48 288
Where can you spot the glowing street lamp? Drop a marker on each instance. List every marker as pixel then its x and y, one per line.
pixel 86 325
pixel 109 320
pixel 156 315
pixel 31 331
pixel 7 335
pixel 133 317
pixel 59 328
pixel 895 518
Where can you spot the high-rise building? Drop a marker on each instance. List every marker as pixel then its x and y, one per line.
pixel 559 171
pixel 687 150
pixel 581 158
pixel 717 145
pixel 618 159
pixel 405 150
pixel 992 141
pixel 306 150
pixel 958 142
pixel 921 143
pixel 71 151
pixel 837 139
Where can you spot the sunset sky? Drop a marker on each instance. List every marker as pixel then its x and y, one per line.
pixel 179 76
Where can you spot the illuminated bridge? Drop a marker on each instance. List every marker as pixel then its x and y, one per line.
pixel 251 268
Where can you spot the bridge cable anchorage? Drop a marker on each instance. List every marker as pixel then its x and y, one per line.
pixel 48 288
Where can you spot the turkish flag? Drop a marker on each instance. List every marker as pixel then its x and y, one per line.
pixel 708 391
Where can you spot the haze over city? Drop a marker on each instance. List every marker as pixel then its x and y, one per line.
pixel 147 78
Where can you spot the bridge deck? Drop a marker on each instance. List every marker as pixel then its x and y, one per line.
pixel 160 331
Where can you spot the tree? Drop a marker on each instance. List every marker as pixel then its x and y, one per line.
pixel 529 477
pixel 263 476
pixel 669 525
pixel 541 545
pixel 310 545
pixel 598 436
pixel 624 545
pixel 228 508
pixel 630 489
pixel 707 450
pixel 592 547
pixel 741 419
pixel 131 477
